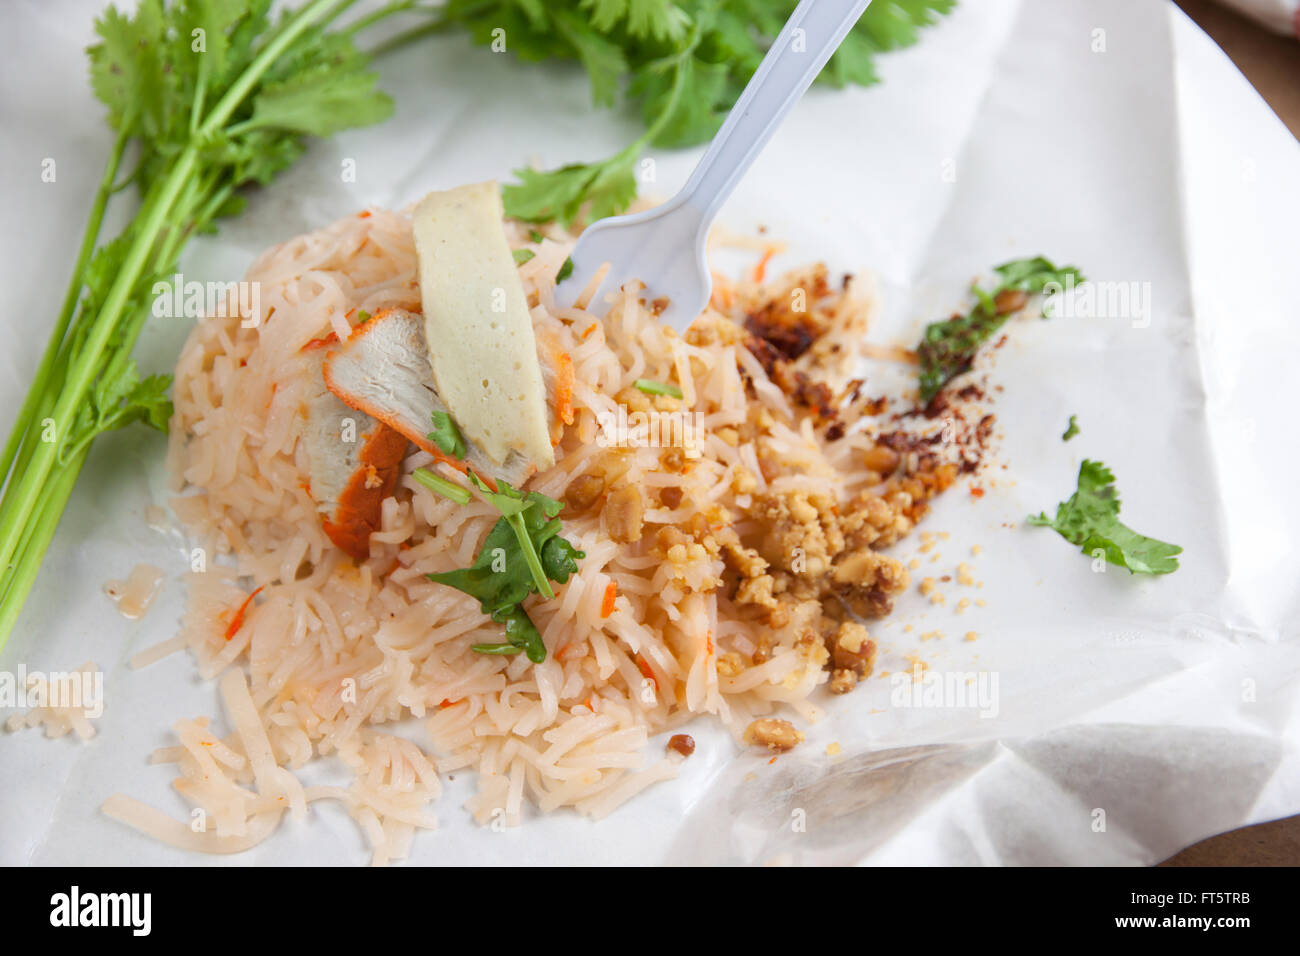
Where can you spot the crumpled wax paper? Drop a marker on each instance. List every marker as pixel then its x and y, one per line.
pixel 1133 715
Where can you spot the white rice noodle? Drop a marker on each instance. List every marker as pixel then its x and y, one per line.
pixel 329 650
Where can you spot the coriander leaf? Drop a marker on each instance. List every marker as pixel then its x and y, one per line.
pixel 602 58
pixel 535 11
pixel 609 185
pixel 566 270
pixel 852 63
pixel 643 19
pixel 447 436
pixel 948 347
pixel 522 632
pixel 320 103
pixel 117 400
pixel 891 24
pixel 1072 429
pixel 506 499
pixel 560 559
pixel 522 255
pixel 692 113
pixel 503 576
pixel 1090 519
pixel 215 18
pixel 121 63
pixel 1034 275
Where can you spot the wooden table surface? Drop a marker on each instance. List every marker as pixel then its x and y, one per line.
pixel 1272 64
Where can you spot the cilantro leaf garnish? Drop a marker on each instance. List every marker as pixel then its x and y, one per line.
pixel 948 347
pixel 522 255
pixel 1073 428
pixel 1090 519
pixel 558 194
pixel 521 555
pixel 447 436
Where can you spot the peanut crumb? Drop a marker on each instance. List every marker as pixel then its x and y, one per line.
pixel 971 636
pixel 916 665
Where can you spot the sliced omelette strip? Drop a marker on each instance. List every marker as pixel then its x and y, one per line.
pixel 383 370
pixel 354 461
pixel 485 360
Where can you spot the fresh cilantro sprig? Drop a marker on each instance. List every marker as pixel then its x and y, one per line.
pixel 948 347
pixel 521 555
pixel 680 63
pixel 446 435
pixel 207 98
pixel 1090 519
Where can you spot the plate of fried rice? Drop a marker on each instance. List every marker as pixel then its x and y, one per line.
pixel 795 614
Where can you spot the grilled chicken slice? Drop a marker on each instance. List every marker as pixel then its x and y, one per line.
pixel 383 369
pixel 355 460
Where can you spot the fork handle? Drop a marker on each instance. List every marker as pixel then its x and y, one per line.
pixel 791 64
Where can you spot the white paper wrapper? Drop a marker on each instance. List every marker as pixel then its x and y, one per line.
pixel 1133 715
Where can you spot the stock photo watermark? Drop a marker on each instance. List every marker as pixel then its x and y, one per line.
pixel 945 690
pixel 1127 300
pixel 180 299
pixel 71 690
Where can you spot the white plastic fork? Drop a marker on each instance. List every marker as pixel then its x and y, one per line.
pixel 665 247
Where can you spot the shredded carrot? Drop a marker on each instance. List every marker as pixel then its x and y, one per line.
pixel 364 214
pixel 772 761
pixel 564 379
pixel 237 621
pixel 976 491
pixel 591 328
pixel 646 671
pixel 760 270
pixel 607 605
pixel 323 341
pixel 708 643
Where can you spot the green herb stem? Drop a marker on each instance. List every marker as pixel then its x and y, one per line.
pixel 531 558
pixel 37 393
pixel 440 485
pixel 651 387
